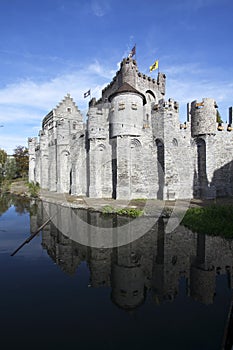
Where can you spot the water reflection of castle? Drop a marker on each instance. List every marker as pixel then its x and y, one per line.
pixel 156 262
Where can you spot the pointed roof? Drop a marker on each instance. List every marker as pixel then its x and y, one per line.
pixel 124 88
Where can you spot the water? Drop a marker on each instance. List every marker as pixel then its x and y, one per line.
pixel 162 291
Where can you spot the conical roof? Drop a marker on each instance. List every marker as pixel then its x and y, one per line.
pixel 125 87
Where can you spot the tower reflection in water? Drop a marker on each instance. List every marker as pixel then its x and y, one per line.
pixel 155 264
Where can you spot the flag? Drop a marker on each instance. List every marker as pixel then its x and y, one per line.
pixel 87 93
pixel 154 66
pixel 133 51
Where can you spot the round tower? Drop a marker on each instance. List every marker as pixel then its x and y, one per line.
pixel 126 115
pixel 203 117
pixel 127 286
pixel 128 71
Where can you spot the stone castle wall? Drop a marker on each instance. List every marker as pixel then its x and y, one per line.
pixel 133 145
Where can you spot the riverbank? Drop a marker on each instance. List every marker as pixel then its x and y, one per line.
pixel 149 207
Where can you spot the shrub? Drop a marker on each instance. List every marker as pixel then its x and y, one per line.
pixel 107 209
pixel 212 220
pixel 132 212
pixel 34 189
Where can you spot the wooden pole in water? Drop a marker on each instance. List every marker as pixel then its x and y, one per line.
pixel 33 235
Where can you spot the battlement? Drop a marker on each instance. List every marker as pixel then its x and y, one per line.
pixel 163 105
pixel 128 73
pixel 32 140
pixel 203 117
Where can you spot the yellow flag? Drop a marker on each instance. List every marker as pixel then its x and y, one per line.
pixel 154 66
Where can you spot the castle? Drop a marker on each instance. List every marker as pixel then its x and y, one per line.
pixel 133 144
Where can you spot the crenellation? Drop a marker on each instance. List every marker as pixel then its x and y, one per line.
pixel 133 144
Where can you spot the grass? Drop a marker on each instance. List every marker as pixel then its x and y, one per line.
pixel 131 212
pixel 212 220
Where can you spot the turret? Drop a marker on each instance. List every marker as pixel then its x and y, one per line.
pixel 126 114
pixel 203 117
pixel 128 71
pixel 32 143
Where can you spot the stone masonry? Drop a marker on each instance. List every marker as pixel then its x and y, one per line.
pixel 133 144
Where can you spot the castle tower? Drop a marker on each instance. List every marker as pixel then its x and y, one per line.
pixel 126 115
pixel 128 71
pixel 203 117
pixel 44 180
pixel 99 153
pixel 126 122
pixel 32 143
pixel 173 151
pixel 203 129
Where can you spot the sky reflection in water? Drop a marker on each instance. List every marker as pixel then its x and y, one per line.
pixel 166 291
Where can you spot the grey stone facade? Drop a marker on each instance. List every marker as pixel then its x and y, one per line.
pixel 133 145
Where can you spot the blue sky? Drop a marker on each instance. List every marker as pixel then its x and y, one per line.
pixel 49 48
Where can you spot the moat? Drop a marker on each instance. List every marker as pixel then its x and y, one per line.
pixel 162 290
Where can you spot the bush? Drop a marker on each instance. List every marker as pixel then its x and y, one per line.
pixel 132 212
pixel 107 209
pixel 212 220
pixel 34 189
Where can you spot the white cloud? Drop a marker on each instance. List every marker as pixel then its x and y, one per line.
pixel 10 141
pixel 21 98
pixel 26 103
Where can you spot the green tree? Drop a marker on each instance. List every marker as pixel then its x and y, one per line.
pixel 3 157
pixel 22 160
pixel 218 117
pixel 10 168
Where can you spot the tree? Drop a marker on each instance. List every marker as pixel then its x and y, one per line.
pixel 10 168
pixel 22 160
pixel 3 157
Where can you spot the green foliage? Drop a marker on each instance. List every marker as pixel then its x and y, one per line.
pixel 107 209
pixel 212 220
pixel 10 168
pixel 22 160
pixel 5 185
pixel 3 157
pixel 5 203
pixel 132 212
pixel 34 189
